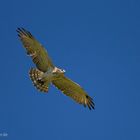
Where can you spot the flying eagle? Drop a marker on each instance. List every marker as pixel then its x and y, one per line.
pixel 47 73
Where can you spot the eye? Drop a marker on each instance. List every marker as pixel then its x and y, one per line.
pixel 64 71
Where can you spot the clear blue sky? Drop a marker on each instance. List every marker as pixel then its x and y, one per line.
pixel 98 44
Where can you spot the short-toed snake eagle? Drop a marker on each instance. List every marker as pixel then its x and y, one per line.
pixel 47 73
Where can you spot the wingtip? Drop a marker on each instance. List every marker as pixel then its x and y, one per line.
pixel 90 103
pixel 19 29
pixel 22 31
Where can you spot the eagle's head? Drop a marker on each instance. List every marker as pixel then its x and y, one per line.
pixel 58 71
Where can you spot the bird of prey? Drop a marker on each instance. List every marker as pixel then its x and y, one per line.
pixel 47 73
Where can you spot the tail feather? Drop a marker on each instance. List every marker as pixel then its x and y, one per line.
pixel 36 76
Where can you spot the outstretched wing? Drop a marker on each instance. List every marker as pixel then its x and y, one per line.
pixel 73 90
pixel 35 50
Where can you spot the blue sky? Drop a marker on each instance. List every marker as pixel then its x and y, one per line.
pixel 98 44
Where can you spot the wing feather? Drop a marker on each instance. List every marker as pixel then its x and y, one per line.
pixel 34 49
pixel 73 90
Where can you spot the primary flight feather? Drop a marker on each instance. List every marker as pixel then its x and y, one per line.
pixel 47 73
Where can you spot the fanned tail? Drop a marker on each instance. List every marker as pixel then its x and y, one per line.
pixel 36 76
